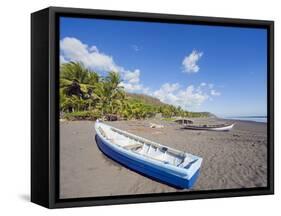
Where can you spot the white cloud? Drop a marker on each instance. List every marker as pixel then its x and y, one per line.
pixel 132 87
pixel 73 49
pixel 135 48
pixel 94 49
pixel 132 83
pixel 146 90
pixel 132 77
pixel 168 88
pixel 62 59
pixel 215 93
pixel 166 93
pixel 190 62
pixel 190 97
pixel 187 98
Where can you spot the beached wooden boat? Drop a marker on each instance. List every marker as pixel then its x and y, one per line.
pixel 159 162
pixel 221 127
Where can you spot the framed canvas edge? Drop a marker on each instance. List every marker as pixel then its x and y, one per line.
pixel 55 202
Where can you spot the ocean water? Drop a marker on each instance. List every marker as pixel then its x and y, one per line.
pixel 249 118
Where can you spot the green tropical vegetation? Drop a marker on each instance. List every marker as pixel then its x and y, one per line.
pixel 86 95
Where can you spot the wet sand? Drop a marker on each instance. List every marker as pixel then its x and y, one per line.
pixel 234 159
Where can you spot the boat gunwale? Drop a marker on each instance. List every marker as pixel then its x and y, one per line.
pixel 166 167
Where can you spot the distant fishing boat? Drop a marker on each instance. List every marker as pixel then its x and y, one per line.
pixel 220 127
pixel 159 162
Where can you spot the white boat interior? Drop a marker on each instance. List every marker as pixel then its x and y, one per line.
pixel 148 149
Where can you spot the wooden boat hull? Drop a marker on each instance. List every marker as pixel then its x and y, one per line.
pixel 153 171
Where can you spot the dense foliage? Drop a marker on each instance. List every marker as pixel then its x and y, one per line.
pixel 84 94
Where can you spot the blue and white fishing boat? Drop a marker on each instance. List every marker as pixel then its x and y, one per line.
pixel 220 127
pixel 167 165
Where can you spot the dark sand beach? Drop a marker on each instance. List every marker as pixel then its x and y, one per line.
pixel 234 159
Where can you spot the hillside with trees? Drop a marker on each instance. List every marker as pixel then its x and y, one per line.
pixel 86 95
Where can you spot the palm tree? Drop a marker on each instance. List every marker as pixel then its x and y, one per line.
pixel 77 71
pixel 74 71
pixel 92 78
pixel 109 94
pixel 126 109
pixel 67 104
pixel 100 95
pixel 113 79
pixel 84 90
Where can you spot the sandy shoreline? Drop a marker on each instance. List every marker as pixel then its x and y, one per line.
pixel 234 159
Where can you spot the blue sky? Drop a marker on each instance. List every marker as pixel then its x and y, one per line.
pixel 201 68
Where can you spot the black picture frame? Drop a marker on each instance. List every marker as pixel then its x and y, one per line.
pixel 45 103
